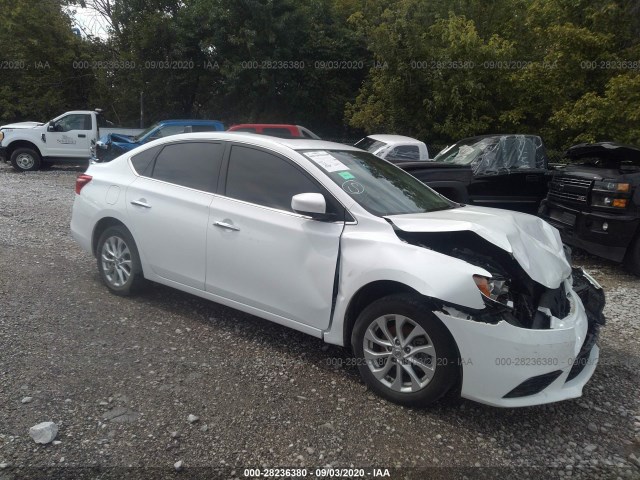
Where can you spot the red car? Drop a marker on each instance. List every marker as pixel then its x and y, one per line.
pixel 275 130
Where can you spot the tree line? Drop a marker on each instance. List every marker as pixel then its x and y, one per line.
pixel 437 70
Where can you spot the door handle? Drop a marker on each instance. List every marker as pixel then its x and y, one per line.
pixel 532 178
pixel 140 203
pixel 82 135
pixel 228 226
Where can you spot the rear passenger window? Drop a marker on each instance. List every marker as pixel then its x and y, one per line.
pixel 193 164
pixel 264 179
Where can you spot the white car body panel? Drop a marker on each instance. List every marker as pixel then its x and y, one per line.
pixel 294 283
pixel 174 251
pixel 297 258
pixel 19 125
pixel 496 358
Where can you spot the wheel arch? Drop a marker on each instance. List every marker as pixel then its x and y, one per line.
pixel 22 144
pixel 100 227
pixel 364 297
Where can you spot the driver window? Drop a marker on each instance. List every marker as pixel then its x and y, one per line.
pixel 74 121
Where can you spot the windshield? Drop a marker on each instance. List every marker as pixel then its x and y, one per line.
pixel 377 185
pixel 145 132
pixel 369 144
pixel 500 153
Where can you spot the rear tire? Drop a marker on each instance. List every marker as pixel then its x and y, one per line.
pixel 118 261
pixel 414 365
pixel 25 160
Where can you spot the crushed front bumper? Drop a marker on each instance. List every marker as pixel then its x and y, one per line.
pixel 508 366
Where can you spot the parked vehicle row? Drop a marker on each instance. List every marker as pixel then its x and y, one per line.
pixel 113 145
pixel 432 296
pixel 506 171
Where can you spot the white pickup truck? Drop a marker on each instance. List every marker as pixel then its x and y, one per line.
pixel 68 138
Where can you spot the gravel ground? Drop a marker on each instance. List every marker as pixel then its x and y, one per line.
pixel 121 376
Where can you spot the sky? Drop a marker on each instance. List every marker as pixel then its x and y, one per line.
pixel 90 22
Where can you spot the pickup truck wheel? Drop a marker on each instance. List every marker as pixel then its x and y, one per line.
pixel 118 261
pixel 405 354
pixel 25 159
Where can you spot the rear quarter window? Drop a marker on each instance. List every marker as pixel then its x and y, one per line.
pixel 143 162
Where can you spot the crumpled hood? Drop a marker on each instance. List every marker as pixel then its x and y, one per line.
pixel 534 243
pixel 117 138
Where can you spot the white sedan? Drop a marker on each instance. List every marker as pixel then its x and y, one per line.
pixel 395 148
pixel 433 297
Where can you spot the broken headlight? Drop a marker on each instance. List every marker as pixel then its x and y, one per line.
pixel 495 288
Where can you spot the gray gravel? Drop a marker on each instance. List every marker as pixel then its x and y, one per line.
pixel 124 378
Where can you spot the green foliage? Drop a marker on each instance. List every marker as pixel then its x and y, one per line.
pixel 37 78
pixel 438 70
pixel 555 69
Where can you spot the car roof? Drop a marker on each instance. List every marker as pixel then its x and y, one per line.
pixel 264 140
pixel 394 139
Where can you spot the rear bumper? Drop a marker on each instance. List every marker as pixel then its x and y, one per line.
pixel 585 229
pixel 508 366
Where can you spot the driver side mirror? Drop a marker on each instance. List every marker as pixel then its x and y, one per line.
pixel 52 127
pixel 310 204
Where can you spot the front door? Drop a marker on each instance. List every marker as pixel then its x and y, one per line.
pixel 262 254
pixel 72 136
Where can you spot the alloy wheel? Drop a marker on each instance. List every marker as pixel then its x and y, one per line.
pixel 116 261
pixel 399 353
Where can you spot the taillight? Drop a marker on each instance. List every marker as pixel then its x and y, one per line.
pixel 82 180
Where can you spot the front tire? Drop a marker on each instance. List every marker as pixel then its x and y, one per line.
pixel 25 160
pixel 405 354
pixel 118 261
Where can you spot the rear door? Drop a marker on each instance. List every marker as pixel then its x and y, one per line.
pixel 169 207
pixel 262 254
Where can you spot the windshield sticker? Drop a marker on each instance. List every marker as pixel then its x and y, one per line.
pixel 352 187
pixel 346 175
pixel 326 161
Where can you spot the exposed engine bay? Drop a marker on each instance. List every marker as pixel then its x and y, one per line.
pixel 510 294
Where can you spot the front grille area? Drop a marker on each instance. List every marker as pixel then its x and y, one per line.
pixel 533 385
pixel 570 189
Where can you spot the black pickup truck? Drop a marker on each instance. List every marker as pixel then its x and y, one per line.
pixel 595 201
pixel 503 171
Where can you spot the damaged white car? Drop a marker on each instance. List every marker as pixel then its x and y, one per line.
pixel 433 297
